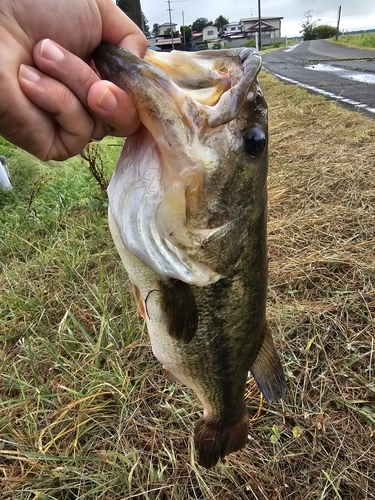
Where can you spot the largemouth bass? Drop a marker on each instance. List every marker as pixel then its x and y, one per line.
pixel 188 209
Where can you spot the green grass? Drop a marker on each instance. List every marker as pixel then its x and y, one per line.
pixel 362 40
pixel 87 413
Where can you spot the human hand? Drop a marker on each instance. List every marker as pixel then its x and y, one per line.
pixel 54 111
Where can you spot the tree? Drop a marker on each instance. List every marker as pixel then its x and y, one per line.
pixel 155 29
pixel 221 21
pixel 188 33
pixel 146 27
pixel 308 25
pixel 200 23
pixel 132 8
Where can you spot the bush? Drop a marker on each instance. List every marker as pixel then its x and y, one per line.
pixel 249 43
pixel 323 31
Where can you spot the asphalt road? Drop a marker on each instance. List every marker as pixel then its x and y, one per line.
pixel 329 69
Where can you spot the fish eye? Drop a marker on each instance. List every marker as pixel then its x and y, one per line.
pixel 255 142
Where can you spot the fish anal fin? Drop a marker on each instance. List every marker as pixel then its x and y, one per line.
pixel 180 309
pixel 215 440
pixel 267 370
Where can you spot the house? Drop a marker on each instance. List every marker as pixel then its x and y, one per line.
pixel 231 28
pixel 210 32
pixel 271 26
pixel 166 28
pixel 236 33
pixel 196 39
pixel 163 40
pixel 165 44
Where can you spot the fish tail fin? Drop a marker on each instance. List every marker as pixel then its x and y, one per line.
pixel 267 370
pixel 215 440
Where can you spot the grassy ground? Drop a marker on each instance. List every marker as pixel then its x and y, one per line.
pixel 85 410
pixel 361 41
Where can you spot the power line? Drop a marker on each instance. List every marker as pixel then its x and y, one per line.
pixel 155 8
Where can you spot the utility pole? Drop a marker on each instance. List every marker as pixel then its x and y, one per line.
pixel 183 29
pixel 338 23
pixel 260 26
pixel 170 21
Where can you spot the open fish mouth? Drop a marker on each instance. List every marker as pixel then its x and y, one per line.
pixel 180 102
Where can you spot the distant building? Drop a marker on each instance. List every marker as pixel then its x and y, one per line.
pixel 233 34
pixel 166 28
pixel 231 28
pixel 196 39
pixel 271 26
pixel 164 38
pixel 210 33
pixel 166 43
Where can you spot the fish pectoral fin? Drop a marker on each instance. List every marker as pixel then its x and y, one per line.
pixel 180 309
pixel 215 440
pixel 267 370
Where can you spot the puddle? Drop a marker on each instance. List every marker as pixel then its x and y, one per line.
pixel 358 76
pixel 291 47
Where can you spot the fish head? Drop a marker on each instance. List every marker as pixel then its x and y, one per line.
pixel 198 162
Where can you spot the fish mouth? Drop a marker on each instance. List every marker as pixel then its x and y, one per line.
pixel 181 100
pixel 159 101
pixel 176 95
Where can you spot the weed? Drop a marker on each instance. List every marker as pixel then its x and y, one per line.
pixel 360 40
pixel 86 411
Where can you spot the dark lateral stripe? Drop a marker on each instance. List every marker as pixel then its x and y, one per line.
pixel 180 309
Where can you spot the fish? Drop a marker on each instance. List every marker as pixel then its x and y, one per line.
pixel 188 216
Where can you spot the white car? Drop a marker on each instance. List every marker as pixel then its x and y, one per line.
pixel 4 174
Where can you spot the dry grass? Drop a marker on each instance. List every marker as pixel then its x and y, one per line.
pixel 322 297
pixel 86 412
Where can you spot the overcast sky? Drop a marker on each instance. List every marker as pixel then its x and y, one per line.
pixel 355 14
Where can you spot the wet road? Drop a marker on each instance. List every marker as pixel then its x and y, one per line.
pixel 337 72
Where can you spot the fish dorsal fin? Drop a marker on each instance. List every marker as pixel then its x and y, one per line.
pixel 267 370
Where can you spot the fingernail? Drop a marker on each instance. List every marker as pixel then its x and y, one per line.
pixel 29 73
pixel 49 50
pixel 108 100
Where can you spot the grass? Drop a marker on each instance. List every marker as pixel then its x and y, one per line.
pixel 362 40
pixel 86 411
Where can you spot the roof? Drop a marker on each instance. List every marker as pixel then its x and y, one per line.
pixel 264 25
pixel 197 39
pixel 167 24
pixel 167 41
pixel 257 18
